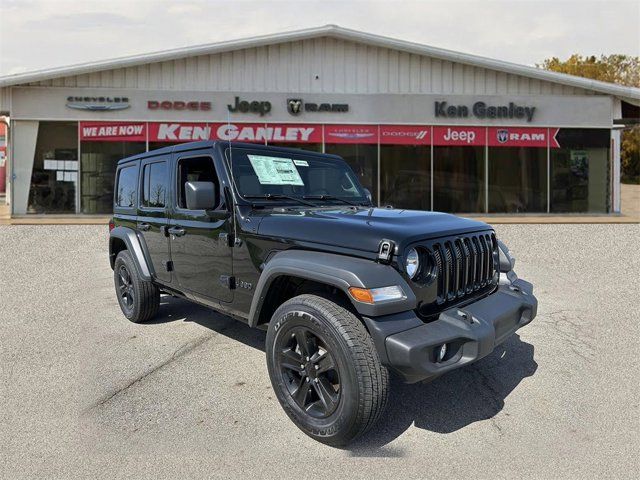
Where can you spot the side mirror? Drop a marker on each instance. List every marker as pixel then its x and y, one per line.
pixel 367 193
pixel 200 195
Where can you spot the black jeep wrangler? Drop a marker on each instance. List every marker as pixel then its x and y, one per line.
pixel 288 241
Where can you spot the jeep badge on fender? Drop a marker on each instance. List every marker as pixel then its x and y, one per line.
pixel 289 241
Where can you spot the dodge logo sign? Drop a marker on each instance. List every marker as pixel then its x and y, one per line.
pixel 294 105
pixel 178 105
pixel 502 136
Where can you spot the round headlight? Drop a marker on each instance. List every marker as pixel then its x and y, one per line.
pixel 412 263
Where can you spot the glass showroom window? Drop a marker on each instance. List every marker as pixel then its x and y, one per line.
pixel 580 171
pixel 54 177
pixel 157 145
pixel 458 179
pixel 312 147
pixel 405 176
pixel 517 179
pixel 363 160
pixel 98 168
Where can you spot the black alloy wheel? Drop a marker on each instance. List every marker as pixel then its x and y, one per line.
pixel 309 372
pixel 125 287
pixel 139 299
pixel 324 369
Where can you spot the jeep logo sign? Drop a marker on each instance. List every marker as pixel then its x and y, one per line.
pixel 254 106
pixel 484 111
pixel 460 136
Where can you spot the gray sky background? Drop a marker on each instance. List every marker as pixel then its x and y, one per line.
pixel 37 34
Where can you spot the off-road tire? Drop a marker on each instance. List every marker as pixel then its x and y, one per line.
pixel 363 381
pixel 145 296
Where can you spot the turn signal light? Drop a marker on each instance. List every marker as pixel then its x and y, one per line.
pixel 377 295
pixel 361 294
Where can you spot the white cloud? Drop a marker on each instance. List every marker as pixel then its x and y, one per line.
pixel 44 33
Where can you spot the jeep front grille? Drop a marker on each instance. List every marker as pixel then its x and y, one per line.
pixel 464 264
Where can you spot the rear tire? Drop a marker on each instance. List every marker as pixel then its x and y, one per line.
pixel 139 299
pixel 325 370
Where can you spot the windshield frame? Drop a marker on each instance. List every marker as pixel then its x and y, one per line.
pixel 294 154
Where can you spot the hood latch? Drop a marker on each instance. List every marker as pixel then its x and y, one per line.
pixel 385 251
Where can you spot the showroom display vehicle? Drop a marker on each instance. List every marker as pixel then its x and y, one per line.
pixel 289 241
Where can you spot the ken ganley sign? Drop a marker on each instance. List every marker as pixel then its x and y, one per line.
pixel 245 132
pixel 484 111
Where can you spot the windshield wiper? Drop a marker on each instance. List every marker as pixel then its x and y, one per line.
pixel 280 196
pixel 331 197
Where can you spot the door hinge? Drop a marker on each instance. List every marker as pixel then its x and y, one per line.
pixel 225 238
pixel 229 239
pixel 168 265
pixel 228 281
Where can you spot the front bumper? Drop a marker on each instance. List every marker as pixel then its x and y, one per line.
pixel 409 346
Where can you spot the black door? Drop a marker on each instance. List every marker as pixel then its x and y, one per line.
pixel 153 214
pixel 199 250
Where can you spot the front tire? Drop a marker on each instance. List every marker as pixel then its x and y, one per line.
pixel 325 370
pixel 139 299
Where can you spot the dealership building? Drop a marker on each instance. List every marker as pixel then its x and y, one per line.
pixel 422 127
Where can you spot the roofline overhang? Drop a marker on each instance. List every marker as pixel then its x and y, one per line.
pixel 629 94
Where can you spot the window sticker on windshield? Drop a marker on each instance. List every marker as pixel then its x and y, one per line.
pixel 275 170
pixel 301 163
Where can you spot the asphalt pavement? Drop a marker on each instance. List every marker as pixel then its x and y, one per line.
pixel 87 394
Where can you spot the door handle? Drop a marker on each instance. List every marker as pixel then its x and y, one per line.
pixel 144 227
pixel 176 231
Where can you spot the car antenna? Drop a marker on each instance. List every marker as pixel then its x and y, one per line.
pixel 233 181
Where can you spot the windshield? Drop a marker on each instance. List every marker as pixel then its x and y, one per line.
pixel 274 175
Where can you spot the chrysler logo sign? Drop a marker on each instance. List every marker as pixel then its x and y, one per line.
pixel 97 104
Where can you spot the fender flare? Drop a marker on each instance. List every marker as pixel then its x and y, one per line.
pixel 136 246
pixel 339 271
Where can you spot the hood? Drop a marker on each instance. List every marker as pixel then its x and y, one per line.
pixel 361 228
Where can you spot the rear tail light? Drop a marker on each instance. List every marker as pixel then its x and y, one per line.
pixel 112 225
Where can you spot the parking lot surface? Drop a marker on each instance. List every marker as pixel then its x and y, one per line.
pixel 87 394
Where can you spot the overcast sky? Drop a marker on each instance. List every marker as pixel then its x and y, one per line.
pixel 37 34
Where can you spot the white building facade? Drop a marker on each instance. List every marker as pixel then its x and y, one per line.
pixel 423 128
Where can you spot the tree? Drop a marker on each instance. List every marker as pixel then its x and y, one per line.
pixel 620 69
pixel 630 155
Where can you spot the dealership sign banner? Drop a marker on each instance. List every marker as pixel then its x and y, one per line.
pixel 239 132
pixel 351 134
pixel 113 131
pixel 302 133
pixel 522 137
pixel 459 136
pixel 405 135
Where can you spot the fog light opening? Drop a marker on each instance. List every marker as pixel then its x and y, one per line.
pixel 441 352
